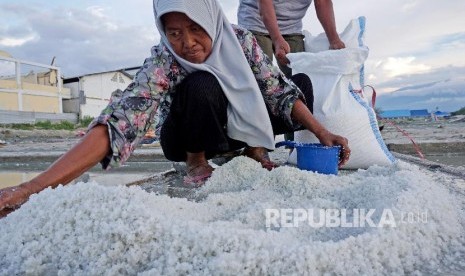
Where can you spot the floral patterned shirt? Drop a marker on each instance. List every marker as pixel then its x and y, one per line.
pixel 146 101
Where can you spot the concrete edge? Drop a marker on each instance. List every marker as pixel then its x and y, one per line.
pixel 144 155
pixel 430 165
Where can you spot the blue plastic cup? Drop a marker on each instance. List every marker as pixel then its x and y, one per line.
pixel 315 157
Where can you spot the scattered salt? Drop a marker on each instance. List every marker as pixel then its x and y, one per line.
pixel 89 229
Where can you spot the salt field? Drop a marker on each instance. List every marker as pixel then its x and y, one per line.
pixel 416 226
pixel 413 216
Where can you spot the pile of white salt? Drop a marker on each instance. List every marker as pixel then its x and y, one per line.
pixel 88 229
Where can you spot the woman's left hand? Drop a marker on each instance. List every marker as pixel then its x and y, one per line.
pixel 329 139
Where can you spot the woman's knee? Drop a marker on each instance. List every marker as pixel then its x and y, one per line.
pixel 305 85
pixel 200 84
pixel 302 81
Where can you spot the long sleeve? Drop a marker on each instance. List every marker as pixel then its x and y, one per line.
pixel 131 112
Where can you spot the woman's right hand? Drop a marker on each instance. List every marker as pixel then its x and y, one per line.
pixel 12 198
pixel 93 147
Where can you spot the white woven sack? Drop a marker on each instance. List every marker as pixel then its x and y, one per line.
pixel 336 75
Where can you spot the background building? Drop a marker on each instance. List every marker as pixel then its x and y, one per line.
pixel 90 93
pixel 30 91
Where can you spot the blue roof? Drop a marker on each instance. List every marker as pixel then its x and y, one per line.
pixel 441 114
pixel 395 113
pixel 420 113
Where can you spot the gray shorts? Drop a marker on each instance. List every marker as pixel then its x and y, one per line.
pixel 296 43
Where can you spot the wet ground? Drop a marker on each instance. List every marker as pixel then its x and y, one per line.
pixel 14 171
pixel 24 157
pixel 12 174
pixel 26 153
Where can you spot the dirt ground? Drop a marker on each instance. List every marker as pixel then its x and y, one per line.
pixel 444 136
pixel 440 137
pixel 25 152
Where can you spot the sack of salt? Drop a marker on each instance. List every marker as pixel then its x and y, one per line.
pixel 340 104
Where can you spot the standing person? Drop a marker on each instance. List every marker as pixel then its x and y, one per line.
pixel 214 91
pixel 277 25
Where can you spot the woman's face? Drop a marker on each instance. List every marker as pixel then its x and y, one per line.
pixel 187 38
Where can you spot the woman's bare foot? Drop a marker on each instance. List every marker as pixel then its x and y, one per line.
pixel 260 154
pixel 198 169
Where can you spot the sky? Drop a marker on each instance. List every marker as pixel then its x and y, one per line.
pixel 416 59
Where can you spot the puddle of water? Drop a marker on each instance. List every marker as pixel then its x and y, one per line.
pixel 451 159
pixel 13 174
pixel 12 178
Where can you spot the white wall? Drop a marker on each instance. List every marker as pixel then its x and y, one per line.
pixel 97 90
pixel 74 87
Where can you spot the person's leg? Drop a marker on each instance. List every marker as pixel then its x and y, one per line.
pixel 264 41
pixel 197 118
pixel 296 43
pixel 195 129
pixel 305 85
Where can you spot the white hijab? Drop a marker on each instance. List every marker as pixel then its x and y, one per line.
pixel 248 119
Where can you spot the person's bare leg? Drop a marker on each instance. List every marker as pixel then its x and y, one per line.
pixel 93 147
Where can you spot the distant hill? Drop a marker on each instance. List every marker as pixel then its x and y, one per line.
pixel 461 111
pixel 447 95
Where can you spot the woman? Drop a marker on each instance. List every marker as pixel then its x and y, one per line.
pixel 214 91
